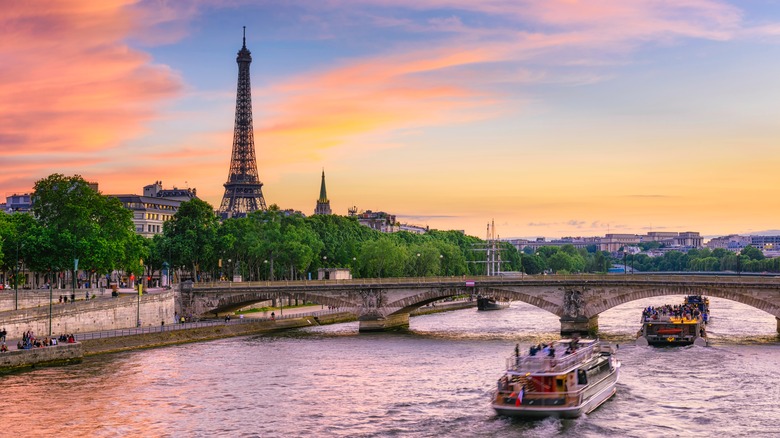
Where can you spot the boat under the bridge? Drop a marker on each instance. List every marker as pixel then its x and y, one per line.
pixel 675 325
pixel 489 303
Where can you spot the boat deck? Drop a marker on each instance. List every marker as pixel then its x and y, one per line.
pixel 555 359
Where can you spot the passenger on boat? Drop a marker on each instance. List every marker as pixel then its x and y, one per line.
pixel 533 350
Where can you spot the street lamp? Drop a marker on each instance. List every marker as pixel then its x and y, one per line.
pixel 625 268
pixel 51 300
pixel 265 262
pixel 522 268
pixel 231 270
pixel 140 291
pixel 16 280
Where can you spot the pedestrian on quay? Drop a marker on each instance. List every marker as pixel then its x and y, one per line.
pixel 3 333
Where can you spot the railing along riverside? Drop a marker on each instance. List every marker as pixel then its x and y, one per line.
pixel 705 279
pixel 549 363
pixel 189 325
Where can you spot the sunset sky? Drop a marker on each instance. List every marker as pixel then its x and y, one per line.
pixel 551 117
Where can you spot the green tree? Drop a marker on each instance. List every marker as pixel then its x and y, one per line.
pixel 193 236
pixel 82 224
pixel 382 258
pixel 752 253
pixel 533 264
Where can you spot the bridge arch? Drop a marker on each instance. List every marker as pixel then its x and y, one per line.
pixel 231 302
pixel 531 297
pixel 757 299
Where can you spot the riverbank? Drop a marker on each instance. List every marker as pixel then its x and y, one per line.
pixel 61 354
pixel 174 337
pixel 26 359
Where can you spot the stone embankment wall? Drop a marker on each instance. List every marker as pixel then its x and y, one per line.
pixel 40 297
pixel 93 315
pixel 14 360
pixel 173 337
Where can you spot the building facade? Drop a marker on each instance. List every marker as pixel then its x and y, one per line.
pixel 378 220
pixel 156 206
pixel 20 203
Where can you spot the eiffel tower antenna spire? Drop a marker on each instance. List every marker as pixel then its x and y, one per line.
pixel 243 189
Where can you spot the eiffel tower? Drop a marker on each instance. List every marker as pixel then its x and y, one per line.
pixel 243 189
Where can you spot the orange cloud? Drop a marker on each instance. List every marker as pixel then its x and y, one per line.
pixel 324 109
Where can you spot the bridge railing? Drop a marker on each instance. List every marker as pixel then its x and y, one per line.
pixel 499 279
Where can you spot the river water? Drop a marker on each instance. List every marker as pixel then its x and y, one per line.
pixel 434 380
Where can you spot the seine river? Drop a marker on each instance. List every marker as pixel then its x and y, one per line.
pixel 434 380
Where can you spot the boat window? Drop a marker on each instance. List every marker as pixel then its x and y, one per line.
pixel 582 377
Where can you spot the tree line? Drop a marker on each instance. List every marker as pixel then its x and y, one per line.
pixel 71 221
pixel 749 259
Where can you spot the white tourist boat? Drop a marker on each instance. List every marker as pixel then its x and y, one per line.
pixel 574 379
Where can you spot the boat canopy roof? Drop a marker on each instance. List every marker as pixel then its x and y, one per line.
pixel 559 363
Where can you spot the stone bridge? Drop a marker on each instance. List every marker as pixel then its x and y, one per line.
pixel 577 300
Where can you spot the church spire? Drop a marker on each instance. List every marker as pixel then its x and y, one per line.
pixel 323 192
pixel 323 204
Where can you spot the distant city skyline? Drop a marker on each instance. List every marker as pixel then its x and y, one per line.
pixel 553 118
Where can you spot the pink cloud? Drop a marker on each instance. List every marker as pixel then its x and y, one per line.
pixel 70 84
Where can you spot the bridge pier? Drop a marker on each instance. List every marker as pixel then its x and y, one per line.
pixel 581 325
pixel 390 322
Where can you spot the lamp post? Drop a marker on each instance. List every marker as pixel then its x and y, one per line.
pixel 16 280
pixel 265 262
pixel 73 279
pixel 441 262
pixel 417 265
pixel 522 268
pixel 625 268
pixel 231 270
pixel 51 300
pixel 140 291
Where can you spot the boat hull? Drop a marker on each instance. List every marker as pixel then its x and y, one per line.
pixel 643 342
pixel 493 306
pixel 486 303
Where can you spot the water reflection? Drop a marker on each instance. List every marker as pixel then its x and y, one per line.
pixel 433 380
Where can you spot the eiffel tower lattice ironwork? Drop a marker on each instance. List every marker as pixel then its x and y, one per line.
pixel 243 189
